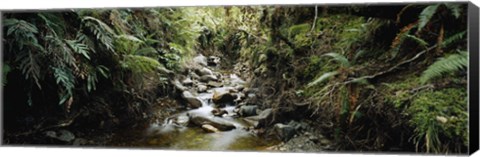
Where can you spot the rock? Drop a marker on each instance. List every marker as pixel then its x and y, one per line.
pixel 192 101
pixel 247 110
pixel 178 85
pixel 62 135
pixel 79 142
pixel 213 61
pixel 223 96
pixel 235 80
pixel 219 123
pixel 200 60
pixel 260 120
pixel 209 128
pixel 201 88
pixel 182 120
pixel 207 78
pixel 239 87
pixel 284 132
pixel 219 112
pixel 441 119
pixel 214 84
pixel 204 71
pixel 187 82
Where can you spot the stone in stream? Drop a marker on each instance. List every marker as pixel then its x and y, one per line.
pixel 223 96
pixel 247 110
pixel 201 88
pixel 203 71
pixel 192 101
pixel 213 61
pixel 200 60
pixel 260 120
pixel 187 82
pixel 219 112
pixel 214 84
pixel 219 123
pixel 207 78
pixel 209 128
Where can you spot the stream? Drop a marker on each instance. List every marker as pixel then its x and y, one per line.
pixel 198 128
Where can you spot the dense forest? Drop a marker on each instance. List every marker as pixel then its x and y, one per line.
pixel 263 78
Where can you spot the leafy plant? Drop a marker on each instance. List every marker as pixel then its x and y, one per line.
pixel 444 65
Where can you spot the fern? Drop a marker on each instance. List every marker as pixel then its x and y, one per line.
pixel 442 66
pixel 455 9
pixel 426 15
pixel 30 67
pixel 65 78
pixel 102 31
pixel 140 64
pixel 322 78
pixel 339 58
pixel 454 38
pixel 5 70
pixel 79 48
pixel 418 40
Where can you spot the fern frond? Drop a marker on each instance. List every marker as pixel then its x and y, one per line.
pixel 454 38
pixel 455 9
pixel 322 78
pixel 102 31
pixel 445 65
pixel 300 28
pixel 79 48
pixel 30 67
pixel 140 64
pixel 426 15
pixel 418 40
pixel 65 78
pixel 339 58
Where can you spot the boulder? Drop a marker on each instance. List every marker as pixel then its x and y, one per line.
pixel 219 112
pixel 204 71
pixel 261 119
pixel 182 120
pixel 247 110
pixel 201 88
pixel 193 102
pixel 207 78
pixel 284 132
pixel 187 82
pixel 223 96
pixel 209 128
pixel 219 123
pixel 200 60
pixel 214 84
pixel 178 85
pixel 213 61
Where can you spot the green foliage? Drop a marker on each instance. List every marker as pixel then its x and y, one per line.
pixel 439 114
pixel 65 78
pixel 5 70
pixel 139 64
pixel 103 33
pixel 339 58
pixel 444 65
pixel 322 78
pixel 426 15
pixel 454 38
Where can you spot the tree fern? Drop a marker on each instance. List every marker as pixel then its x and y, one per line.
pixel 445 65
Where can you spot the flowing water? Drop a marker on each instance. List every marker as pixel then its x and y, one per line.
pixel 170 135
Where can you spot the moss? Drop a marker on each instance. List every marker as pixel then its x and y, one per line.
pixel 444 111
